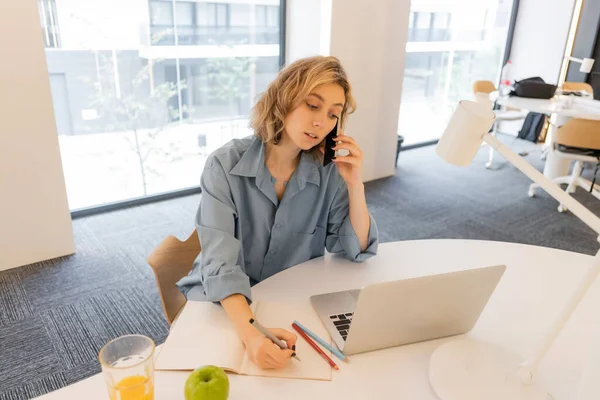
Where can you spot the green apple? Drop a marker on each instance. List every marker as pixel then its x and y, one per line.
pixel 207 383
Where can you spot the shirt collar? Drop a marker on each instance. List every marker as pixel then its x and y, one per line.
pixel 308 170
pixel 252 164
pixel 252 159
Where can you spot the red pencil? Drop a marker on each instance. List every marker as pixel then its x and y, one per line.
pixel 314 345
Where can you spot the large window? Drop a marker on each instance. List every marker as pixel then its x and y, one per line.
pixel 142 95
pixel 451 44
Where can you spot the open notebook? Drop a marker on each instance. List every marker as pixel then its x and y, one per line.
pixel 204 335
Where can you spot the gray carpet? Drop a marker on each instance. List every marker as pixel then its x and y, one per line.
pixel 56 315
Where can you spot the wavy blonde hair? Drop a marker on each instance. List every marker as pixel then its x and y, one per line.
pixel 291 86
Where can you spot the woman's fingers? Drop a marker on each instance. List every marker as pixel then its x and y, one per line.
pixel 278 356
pixel 267 355
pixel 289 337
pixel 344 139
pixel 267 358
pixel 351 147
pixel 347 160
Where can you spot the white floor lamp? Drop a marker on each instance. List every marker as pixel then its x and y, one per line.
pixel 473 370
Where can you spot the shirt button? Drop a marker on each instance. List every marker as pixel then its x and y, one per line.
pixel 277 226
pixel 272 252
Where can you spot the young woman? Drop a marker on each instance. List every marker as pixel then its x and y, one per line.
pixel 268 203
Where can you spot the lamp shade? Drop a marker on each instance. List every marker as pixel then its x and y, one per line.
pixel 464 133
pixel 586 65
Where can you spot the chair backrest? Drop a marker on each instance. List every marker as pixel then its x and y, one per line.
pixel 171 260
pixel 575 86
pixel 483 87
pixel 582 133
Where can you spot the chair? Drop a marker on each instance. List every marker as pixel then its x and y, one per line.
pixel 483 87
pixel 577 86
pixel 482 90
pixel 578 140
pixel 567 87
pixel 171 260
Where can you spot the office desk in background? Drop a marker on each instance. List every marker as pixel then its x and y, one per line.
pixel 555 166
pixel 536 285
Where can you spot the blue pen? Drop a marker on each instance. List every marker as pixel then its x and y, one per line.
pixel 323 343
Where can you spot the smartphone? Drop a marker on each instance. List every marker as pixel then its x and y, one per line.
pixel 329 143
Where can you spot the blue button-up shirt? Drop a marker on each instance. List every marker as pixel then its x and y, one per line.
pixel 247 234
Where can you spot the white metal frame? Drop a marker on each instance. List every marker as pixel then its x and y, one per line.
pixel 572 180
pixel 501 115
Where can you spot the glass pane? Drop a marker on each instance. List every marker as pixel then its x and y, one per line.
pixel 222 10
pixel 202 14
pixel 184 20
pixel 137 115
pixel 239 15
pixel 423 20
pixel 261 15
pixel 185 14
pixel 211 15
pixel 451 45
pixel 441 21
pixel 422 26
pixel 161 23
pixel 162 13
pixel 272 16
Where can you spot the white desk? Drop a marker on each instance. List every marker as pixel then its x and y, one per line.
pixel 550 106
pixel 536 285
pixel 555 166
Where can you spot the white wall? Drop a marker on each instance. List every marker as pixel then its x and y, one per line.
pixel 370 39
pixel 540 37
pixel 373 56
pixel 35 223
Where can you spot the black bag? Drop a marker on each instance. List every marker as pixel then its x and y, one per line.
pixel 595 82
pixel 533 127
pixel 534 88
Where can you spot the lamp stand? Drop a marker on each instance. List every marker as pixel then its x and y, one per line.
pixel 473 370
pixel 468 369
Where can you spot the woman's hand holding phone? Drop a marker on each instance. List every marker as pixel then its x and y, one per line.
pixel 349 166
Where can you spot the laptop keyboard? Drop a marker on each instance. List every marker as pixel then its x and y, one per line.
pixel 342 323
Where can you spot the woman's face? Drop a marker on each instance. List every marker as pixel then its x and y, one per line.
pixel 308 124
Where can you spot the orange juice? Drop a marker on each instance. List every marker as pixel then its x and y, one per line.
pixel 133 388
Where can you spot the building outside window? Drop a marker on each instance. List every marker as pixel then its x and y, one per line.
pixel 143 95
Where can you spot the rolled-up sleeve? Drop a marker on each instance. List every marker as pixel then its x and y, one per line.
pixel 216 269
pixel 341 237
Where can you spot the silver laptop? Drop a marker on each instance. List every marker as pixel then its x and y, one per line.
pixel 407 311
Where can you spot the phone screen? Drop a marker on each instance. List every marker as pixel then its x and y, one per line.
pixel 329 143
